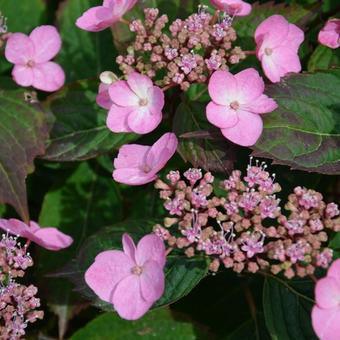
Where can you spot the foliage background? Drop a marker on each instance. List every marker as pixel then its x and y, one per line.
pixel 71 185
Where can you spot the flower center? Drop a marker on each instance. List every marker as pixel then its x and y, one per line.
pixel 30 63
pixel 137 270
pixel 268 51
pixel 143 102
pixel 235 105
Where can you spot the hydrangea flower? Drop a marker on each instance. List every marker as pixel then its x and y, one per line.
pixel 137 105
pixel 326 312
pixel 49 238
pixel 31 56
pixel 232 7
pixel 99 18
pixel 237 102
pixel 330 34
pixel 132 279
pixel 278 43
pixel 139 164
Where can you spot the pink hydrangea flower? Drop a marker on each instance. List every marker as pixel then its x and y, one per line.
pixel 232 7
pixel 139 164
pixel 330 34
pixel 103 98
pixel 137 105
pixel 99 18
pixel 237 102
pixel 132 279
pixel 31 56
pixel 49 238
pixel 326 312
pixel 278 43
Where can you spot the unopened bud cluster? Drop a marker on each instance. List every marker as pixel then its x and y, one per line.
pixel 193 49
pixel 245 229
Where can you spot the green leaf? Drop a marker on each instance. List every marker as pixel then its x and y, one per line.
pixel 304 132
pixel 182 274
pixel 201 144
pixel 23 134
pixel 84 54
pixel 324 58
pixel 287 310
pixel 80 130
pixel 155 325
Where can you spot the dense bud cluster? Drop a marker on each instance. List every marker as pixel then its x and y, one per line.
pixel 193 49
pixel 245 229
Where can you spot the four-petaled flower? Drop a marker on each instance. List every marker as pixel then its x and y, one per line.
pixel 278 43
pixel 237 102
pixel 330 34
pixel 232 7
pixel 49 238
pixel 99 18
pixel 139 164
pixel 131 280
pixel 31 56
pixel 136 105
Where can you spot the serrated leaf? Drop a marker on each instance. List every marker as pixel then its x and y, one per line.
pixel 84 54
pixel 154 325
pixel 80 130
pixel 211 154
pixel 304 132
pixel 287 311
pixel 324 58
pixel 23 134
pixel 182 274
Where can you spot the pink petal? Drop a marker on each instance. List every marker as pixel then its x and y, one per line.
pixel 150 247
pixel 13 226
pixel 131 156
pixel 103 98
pixel 330 34
pixel 272 31
pixel 96 19
pixel 152 281
pixel 247 131
pixel 109 268
pixel 19 49
pixel 47 43
pixel 334 271
pixel 161 152
pixel 221 116
pixel 327 293
pixel 52 239
pixel 122 95
pixel 129 246
pixel 156 100
pixel 250 85
pixel 294 38
pixel 142 121
pixel 128 301
pixel 262 104
pixel 223 87
pixel 232 7
pixel 48 77
pixel 133 176
pixel 117 119
pixel 22 75
pixel 139 84
pixel 326 323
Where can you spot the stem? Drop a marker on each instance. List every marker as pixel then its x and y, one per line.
pixel 215 17
pixel 169 250
pixel 252 307
pixel 249 52
pixel 313 277
pixel 167 87
pixel 124 21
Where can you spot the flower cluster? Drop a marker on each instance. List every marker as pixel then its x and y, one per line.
pixel 244 229
pixel 196 47
pixel 17 302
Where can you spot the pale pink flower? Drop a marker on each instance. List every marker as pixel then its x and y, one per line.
pixel 139 164
pixel 103 97
pixel 232 7
pixel 31 56
pixel 131 280
pixel 326 312
pixel 99 18
pixel 278 43
pixel 49 238
pixel 237 102
pixel 137 105
pixel 330 34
